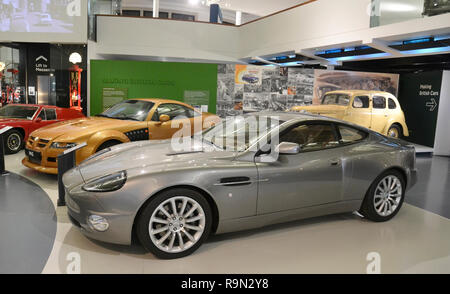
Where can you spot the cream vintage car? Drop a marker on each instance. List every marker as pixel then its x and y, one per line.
pixel 376 110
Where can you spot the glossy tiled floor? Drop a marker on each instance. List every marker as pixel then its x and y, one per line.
pixel 415 241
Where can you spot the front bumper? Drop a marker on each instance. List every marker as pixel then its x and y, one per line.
pixel 81 204
pixel 43 169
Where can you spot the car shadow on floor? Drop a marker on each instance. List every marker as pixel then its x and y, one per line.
pixel 74 237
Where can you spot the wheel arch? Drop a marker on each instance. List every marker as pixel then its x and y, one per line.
pixel 20 130
pixel 207 195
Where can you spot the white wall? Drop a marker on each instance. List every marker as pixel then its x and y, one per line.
pixel 148 37
pixel 294 28
pixel 442 139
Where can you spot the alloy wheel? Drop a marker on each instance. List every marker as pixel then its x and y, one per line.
pixel 388 195
pixel 177 224
pixel 14 142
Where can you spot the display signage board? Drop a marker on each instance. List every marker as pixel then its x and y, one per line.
pixel 111 96
pixel 198 99
pixel 419 97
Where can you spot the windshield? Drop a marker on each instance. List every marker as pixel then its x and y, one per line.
pixel 129 110
pixel 18 111
pixel 336 99
pixel 239 133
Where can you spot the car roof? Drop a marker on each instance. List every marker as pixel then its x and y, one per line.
pixel 359 92
pixel 293 115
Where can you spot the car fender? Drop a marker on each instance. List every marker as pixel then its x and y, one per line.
pixel 98 139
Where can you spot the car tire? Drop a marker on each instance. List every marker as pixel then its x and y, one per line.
pixel 107 144
pixel 395 132
pixel 381 205
pixel 179 236
pixel 13 141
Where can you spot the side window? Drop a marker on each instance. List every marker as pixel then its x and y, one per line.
pixel 379 102
pixel 350 135
pixel 392 104
pixel 361 102
pixel 173 111
pixel 312 137
pixel 42 115
pixel 50 113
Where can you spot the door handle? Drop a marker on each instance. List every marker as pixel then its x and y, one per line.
pixel 335 162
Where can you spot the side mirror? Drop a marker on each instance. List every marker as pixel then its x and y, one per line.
pixel 288 148
pixel 38 120
pixel 164 118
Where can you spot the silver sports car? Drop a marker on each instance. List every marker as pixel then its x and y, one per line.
pixel 244 173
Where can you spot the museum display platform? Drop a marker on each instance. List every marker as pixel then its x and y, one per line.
pixel 27 224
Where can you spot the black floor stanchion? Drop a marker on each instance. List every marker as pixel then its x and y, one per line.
pixel 2 151
pixel 66 161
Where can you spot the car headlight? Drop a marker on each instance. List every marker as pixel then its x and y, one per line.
pixel 107 183
pixel 59 145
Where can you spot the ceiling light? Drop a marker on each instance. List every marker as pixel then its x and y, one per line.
pixel 398 7
pixel 193 2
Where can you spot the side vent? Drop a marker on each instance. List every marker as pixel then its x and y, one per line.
pixel 138 135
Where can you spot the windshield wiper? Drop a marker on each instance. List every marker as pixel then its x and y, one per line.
pixel 124 118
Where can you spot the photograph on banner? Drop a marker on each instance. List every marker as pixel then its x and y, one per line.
pixel 332 80
pixel 248 75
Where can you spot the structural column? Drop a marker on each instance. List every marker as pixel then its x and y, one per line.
pixel 238 18
pixel 155 8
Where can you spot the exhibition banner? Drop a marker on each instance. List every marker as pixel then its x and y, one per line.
pixel 147 79
pixel 332 80
pixel 248 75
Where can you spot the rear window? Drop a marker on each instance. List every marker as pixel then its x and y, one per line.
pixel 392 104
pixel 379 102
pixel 350 135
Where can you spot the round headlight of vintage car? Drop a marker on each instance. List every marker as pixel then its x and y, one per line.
pixel 60 145
pixel 107 183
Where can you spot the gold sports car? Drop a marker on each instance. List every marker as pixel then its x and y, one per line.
pixel 127 121
pixel 378 111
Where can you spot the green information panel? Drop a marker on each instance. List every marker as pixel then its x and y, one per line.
pixel 113 96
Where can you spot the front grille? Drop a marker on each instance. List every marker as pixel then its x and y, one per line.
pixel 34 156
pixel 51 159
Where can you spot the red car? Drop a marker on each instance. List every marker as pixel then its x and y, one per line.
pixel 25 118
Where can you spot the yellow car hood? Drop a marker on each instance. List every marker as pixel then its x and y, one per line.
pixel 336 111
pixel 71 130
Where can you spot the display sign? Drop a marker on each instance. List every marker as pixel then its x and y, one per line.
pixel 198 99
pixel 420 97
pixel 111 96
